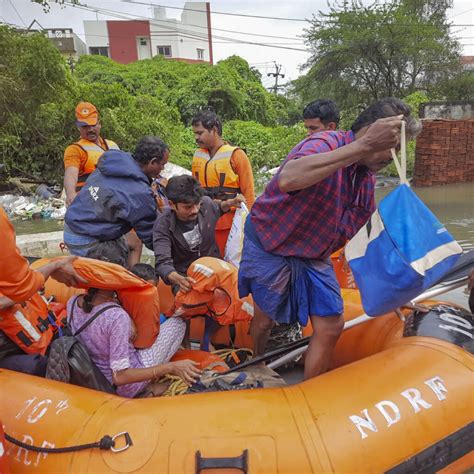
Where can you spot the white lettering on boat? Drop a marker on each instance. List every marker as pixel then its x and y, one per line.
pixel 27 440
pixel 22 453
pixel 392 412
pixel 365 422
pixel 391 418
pixel 456 323
pixel 39 409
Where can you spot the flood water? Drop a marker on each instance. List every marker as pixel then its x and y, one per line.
pixel 453 205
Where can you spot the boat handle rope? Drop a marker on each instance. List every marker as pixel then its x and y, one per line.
pixel 107 442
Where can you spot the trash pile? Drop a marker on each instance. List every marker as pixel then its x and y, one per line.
pixel 33 207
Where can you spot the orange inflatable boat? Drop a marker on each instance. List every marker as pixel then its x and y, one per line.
pixel 407 408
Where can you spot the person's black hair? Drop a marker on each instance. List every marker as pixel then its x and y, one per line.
pixel 144 271
pixel 148 148
pixel 208 119
pixel 387 107
pixel 184 189
pixel 112 251
pixel 325 110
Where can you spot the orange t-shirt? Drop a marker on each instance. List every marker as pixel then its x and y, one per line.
pixel 75 156
pixel 17 281
pixel 241 166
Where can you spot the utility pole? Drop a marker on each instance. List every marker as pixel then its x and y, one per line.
pixel 276 75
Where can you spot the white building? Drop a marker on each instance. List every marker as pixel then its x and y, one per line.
pixel 188 39
pixel 67 42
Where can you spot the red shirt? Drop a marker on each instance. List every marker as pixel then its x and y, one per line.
pixel 314 222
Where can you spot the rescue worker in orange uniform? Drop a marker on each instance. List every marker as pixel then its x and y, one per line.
pixel 80 160
pixel 224 171
pixel 26 330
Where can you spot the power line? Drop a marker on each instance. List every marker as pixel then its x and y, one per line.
pixel 217 13
pixel 462 13
pixel 276 75
pixel 19 16
pixel 155 21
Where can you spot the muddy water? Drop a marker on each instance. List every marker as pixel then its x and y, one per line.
pixel 453 205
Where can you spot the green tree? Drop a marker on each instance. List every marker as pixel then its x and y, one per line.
pixel 362 53
pixel 36 94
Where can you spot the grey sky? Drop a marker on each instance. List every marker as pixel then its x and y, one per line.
pixel 23 12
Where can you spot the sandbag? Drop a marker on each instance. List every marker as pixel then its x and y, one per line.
pixel 214 294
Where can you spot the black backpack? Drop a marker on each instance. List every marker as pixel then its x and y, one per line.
pixel 70 362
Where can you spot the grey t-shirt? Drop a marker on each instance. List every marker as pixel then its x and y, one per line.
pixel 191 233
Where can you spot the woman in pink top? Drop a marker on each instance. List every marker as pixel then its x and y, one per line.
pixel 109 337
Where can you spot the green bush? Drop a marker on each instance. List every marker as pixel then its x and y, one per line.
pixel 150 97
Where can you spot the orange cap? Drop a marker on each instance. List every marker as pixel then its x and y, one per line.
pixel 86 114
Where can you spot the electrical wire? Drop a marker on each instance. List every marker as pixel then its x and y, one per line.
pixel 149 4
pixel 19 16
pixel 177 30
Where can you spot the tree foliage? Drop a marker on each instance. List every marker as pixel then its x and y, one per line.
pixel 158 97
pixel 361 53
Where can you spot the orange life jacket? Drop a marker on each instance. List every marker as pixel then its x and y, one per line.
pixel 216 173
pixel 94 152
pixel 138 297
pixel 215 293
pixel 30 325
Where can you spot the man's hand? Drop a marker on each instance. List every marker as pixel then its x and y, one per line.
pixel 186 369
pixel 238 200
pixel 383 134
pixel 64 272
pixel 235 202
pixel 69 198
pixel 6 302
pixel 185 283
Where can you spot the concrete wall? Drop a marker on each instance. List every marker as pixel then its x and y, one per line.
pixel 184 36
pixel 123 39
pixel 444 152
pixel 447 110
pixel 47 245
pixel 96 33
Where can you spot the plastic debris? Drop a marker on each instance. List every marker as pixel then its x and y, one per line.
pixel 33 207
pixel 174 170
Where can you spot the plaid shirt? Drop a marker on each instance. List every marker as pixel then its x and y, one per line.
pixel 314 222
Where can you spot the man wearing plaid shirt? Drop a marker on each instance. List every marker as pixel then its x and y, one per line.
pixel 322 194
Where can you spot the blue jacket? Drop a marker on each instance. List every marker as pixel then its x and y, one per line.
pixel 116 198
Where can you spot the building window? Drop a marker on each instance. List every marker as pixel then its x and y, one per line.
pixel 143 42
pixel 164 51
pixel 200 53
pixel 100 50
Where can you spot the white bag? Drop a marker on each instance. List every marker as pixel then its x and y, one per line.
pixel 233 247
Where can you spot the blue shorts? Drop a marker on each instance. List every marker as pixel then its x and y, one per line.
pixel 288 289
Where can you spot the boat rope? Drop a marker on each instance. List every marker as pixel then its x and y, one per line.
pixel 177 386
pixel 107 442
